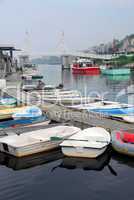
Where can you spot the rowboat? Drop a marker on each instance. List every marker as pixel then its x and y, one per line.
pixel 126 113
pixel 70 100
pixel 123 141
pixel 99 104
pixel 6 113
pixel 117 110
pixel 89 143
pixel 7 102
pixel 36 141
pixel 24 122
pixel 28 112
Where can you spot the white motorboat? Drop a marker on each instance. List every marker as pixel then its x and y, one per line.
pixel 36 141
pixel 89 143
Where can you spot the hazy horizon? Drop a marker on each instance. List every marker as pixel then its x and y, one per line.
pixel 84 23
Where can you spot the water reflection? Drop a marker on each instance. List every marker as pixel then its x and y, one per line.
pixel 86 164
pixel 29 161
pixel 123 159
pixel 110 86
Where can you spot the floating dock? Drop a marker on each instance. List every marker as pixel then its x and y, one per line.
pixel 61 113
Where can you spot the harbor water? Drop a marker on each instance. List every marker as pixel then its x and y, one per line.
pixel 54 177
pixel 114 88
pixel 51 176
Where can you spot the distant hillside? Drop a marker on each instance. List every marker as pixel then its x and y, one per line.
pixel 50 60
pixel 125 45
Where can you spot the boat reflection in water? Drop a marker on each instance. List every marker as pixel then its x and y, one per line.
pixel 118 77
pixel 98 164
pixel 29 161
pixel 123 159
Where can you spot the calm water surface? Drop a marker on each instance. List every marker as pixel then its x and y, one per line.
pixel 110 87
pixel 51 176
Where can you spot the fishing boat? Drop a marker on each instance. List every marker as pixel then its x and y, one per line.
pixel 29 122
pixel 89 143
pixel 123 142
pixel 85 67
pixel 36 141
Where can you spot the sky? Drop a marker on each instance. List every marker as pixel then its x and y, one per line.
pixel 38 25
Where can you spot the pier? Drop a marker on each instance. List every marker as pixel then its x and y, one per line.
pixel 8 64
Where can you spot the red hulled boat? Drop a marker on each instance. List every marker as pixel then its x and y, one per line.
pixel 85 67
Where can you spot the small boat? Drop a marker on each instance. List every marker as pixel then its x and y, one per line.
pixel 7 102
pixel 89 143
pixel 28 112
pixel 30 71
pixel 99 104
pixel 24 122
pixel 123 142
pixel 116 71
pixel 6 113
pixel 85 67
pixel 128 118
pixel 36 141
pixel 70 100
pixel 116 111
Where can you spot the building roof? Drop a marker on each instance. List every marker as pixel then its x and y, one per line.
pixel 8 48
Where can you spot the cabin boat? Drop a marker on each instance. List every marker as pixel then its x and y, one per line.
pixel 30 71
pixel 85 67
pixel 89 143
pixel 123 141
pixel 36 141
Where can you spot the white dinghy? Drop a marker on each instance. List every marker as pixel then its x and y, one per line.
pixel 89 143
pixel 36 141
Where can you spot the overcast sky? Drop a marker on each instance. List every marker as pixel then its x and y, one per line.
pixel 84 22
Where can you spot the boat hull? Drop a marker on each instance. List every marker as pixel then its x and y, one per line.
pixel 122 147
pixel 86 70
pixel 24 122
pixel 119 71
pixel 36 141
pixel 82 152
pixel 30 149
